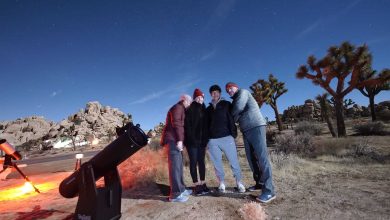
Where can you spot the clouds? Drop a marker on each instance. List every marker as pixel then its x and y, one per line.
pixel 326 20
pixel 208 55
pixel 176 89
pixel 55 93
pixel 308 29
pixel 221 12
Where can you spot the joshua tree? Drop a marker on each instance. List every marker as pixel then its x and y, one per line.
pixel 72 134
pixel 268 92
pixel 325 112
pixel 346 103
pixel 371 91
pixel 339 63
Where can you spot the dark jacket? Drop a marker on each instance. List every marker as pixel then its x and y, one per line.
pixel 220 120
pixel 195 126
pixel 174 124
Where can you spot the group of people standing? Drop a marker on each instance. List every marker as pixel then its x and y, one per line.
pixel 189 123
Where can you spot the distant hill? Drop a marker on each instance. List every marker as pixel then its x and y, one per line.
pixel 95 121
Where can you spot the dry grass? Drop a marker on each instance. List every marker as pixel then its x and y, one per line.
pixel 301 144
pixel 362 149
pixel 143 168
pixel 312 128
pixel 371 128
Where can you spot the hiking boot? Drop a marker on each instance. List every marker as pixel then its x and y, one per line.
pixel 255 187
pixel 205 188
pixel 221 188
pixel 198 190
pixel 187 192
pixel 266 197
pixel 240 187
pixel 180 198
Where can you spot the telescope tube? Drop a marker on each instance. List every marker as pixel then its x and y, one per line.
pixel 8 149
pixel 108 159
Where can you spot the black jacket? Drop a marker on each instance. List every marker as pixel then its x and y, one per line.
pixel 220 120
pixel 195 126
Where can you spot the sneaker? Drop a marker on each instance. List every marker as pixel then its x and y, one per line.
pixel 187 192
pixel 180 198
pixel 198 190
pixel 255 187
pixel 221 188
pixel 265 197
pixel 240 187
pixel 205 188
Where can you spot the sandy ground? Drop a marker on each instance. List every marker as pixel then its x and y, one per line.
pixel 325 187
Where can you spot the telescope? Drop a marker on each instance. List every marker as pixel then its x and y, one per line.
pixel 12 154
pixel 103 202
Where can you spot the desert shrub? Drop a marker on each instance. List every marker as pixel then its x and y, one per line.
pixel 252 211
pixel 270 136
pixel 383 115
pixel 348 148
pixel 362 149
pixel 154 143
pixel 370 128
pixel 312 128
pixel 300 144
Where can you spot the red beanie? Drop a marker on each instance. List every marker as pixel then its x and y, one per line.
pixel 197 93
pixel 230 84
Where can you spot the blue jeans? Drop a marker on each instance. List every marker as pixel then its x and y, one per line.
pixel 256 138
pixel 175 165
pixel 228 146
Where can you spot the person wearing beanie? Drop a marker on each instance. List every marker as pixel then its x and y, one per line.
pixel 172 139
pixel 195 129
pixel 222 131
pixel 247 113
pixel 198 93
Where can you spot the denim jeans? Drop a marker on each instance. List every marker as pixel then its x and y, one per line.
pixel 175 165
pixel 256 138
pixel 228 146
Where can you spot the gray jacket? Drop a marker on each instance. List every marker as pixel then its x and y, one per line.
pixel 246 111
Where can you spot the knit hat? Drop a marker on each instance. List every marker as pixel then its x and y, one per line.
pixel 185 97
pixel 230 84
pixel 197 92
pixel 215 88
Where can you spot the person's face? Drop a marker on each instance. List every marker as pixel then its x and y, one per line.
pixel 215 95
pixel 199 99
pixel 232 90
pixel 186 103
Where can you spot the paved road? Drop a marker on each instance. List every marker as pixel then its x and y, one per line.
pixel 87 154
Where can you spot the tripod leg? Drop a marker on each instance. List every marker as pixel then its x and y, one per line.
pixel 4 173
pixel 25 177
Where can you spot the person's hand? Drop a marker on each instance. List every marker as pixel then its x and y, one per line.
pixel 179 145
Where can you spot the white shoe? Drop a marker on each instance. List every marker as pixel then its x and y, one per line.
pixel 240 187
pixel 221 188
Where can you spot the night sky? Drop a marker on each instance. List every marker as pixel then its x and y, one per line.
pixel 140 56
